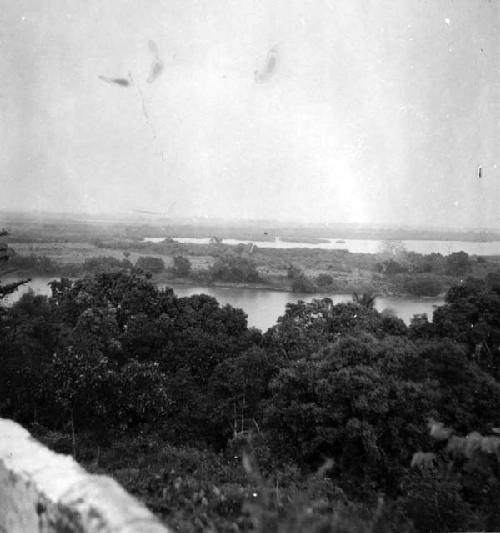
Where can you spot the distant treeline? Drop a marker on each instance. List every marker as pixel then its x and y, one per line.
pixel 26 227
pixel 302 271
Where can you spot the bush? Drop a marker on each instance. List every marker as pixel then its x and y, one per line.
pixel 234 269
pixel 153 265
pixel 95 265
pixel 457 264
pixel 182 266
pixel 423 285
pixel 324 280
pixel 392 267
pixel 119 371
pixel 293 272
pixel 303 284
pixel 34 263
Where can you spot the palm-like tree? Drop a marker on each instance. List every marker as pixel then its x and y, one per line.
pixel 366 299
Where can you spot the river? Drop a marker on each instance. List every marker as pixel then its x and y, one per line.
pixel 363 246
pixel 263 307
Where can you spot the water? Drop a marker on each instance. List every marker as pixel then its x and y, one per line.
pixel 39 285
pixel 364 246
pixel 262 307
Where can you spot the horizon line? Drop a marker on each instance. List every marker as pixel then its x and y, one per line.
pixel 151 216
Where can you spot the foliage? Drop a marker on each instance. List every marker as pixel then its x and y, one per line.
pixel 5 256
pixel 306 327
pixel 234 268
pixel 458 264
pixel 102 264
pixel 353 390
pixel 153 265
pixel 236 390
pixel 324 280
pixel 367 299
pixel 300 282
pixel 467 468
pixel 126 376
pixel 471 318
pixel 423 285
pixel 182 266
pixel 33 263
pixel 391 267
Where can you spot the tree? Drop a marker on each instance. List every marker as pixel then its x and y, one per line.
pixel 391 268
pixel 368 414
pixel 457 264
pixel 154 265
pixel 95 393
pixel 367 299
pixel 306 327
pixel 95 265
pixel 423 285
pixel 458 483
pixel 203 334
pixel 144 337
pixel 182 266
pixel 470 397
pixel 470 317
pixel 29 337
pixel 302 283
pixel 234 268
pixel 236 390
pixel 324 280
pixel 5 290
pixel 293 271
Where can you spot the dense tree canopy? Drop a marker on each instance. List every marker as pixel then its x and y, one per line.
pixel 112 354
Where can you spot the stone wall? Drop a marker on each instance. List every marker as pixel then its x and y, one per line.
pixel 44 491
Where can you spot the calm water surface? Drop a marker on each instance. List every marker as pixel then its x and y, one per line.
pixel 262 307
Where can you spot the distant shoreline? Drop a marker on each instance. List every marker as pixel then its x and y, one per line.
pixel 273 288
pixel 160 280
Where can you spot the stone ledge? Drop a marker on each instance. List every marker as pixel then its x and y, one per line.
pixel 48 492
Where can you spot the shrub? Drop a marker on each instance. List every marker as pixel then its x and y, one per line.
pixel 234 268
pixel 324 280
pixel 96 265
pixel 182 266
pixel 302 283
pixel 392 267
pixel 34 263
pixel 457 264
pixel 423 285
pixel 150 264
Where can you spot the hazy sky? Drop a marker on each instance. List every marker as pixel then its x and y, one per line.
pixel 377 111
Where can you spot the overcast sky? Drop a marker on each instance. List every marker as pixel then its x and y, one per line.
pixel 376 111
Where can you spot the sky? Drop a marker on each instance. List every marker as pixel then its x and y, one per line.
pixel 354 111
